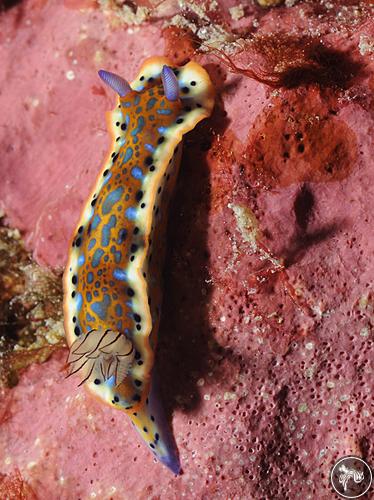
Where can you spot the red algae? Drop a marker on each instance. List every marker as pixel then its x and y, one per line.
pixel 13 487
pixel 300 138
pixel 180 44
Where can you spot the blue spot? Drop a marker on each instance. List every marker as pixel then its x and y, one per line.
pixel 119 325
pixel 105 235
pixel 128 154
pixel 117 257
pixel 135 141
pixel 151 103
pixel 101 308
pixel 96 221
pixel 164 111
pixel 138 110
pixel 118 310
pixel 149 148
pixel 118 274
pixel 139 126
pixel 107 178
pixel 137 173
pixel 110 381
pixel 111 199
pixel 137 100
pixel 127 104
pixel 151 118
pixel 117 254
pixel 88 296
pixel 90 277
pixel 81 260
pixel 91 244
pixel 131 213
pixel 121 236
pixel 79 301
pixel 89 317
pixel 97 256
pixel 162 130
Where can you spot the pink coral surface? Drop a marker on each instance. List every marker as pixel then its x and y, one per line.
pixel 266 336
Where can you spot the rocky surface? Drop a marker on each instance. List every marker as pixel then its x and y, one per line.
pixel 266 335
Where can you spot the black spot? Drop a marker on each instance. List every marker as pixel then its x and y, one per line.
pixel 180 120
pixel 152 418
pixel 78 242
pixel 118 138
pixel 148 161
pixel 140 363
pixel 105 173
pixel 176 72
pixel 113 154
pixel 93 202
pixel 138 382
pixel 97 381
pixel 136 230
pixel 168 177
pixel 152 168
pixel 89 229
pixel 159 190
pixel 74 279
pixel 157 436
pixel 198 105
pixel 147 401
pixel 187 108
pixel 152 445
pixel 132 258
pixel 117 124
pixel 137 355
pixel 139 195
pixel 73 294
pixel 136 397
pixel 142 205
pixel 116 399
pixel 185 90
pixel 137 318
pixel 160 140
pixel 141 79
pixel 77 331
pixel 115 157
pixel 135 414
pixel 123 126
pixel 193 83
pixel 157 210
pixel 133 248
pixel 80 230
pixel 74 319
pixel 145 429
pixel 151 79
pixel 130 292
pixel 138 327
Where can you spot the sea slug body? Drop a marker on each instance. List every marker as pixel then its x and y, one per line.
pixel 112 281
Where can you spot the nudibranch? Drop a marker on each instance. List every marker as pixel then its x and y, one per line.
pixel 112 282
